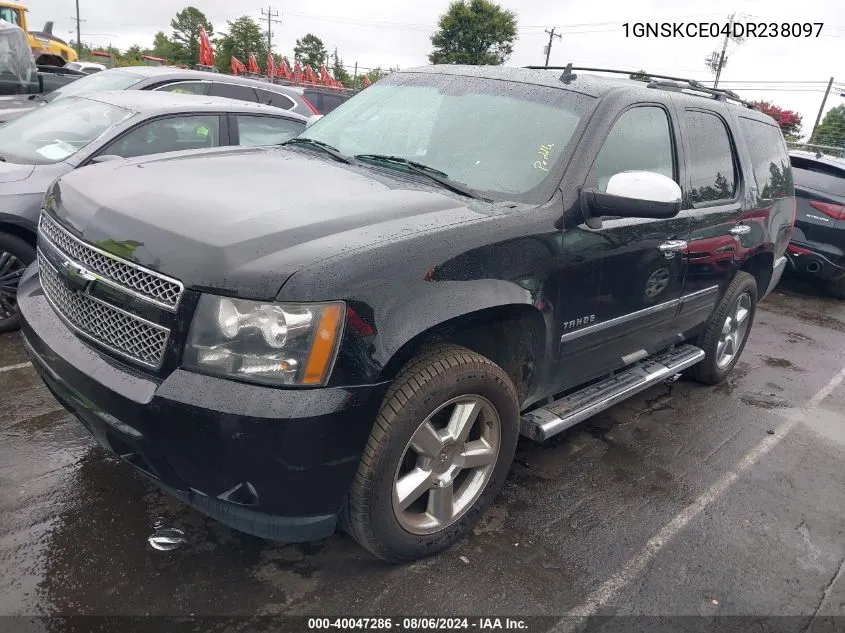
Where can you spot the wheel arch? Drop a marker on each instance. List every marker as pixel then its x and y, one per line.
pixel 760 266
pixel 513 335
pixel 18 230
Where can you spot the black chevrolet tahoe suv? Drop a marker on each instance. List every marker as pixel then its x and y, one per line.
pixel 356 327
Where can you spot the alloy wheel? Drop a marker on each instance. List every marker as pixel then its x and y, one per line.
pixel 446 464
pixel 734 331
pixel 11 269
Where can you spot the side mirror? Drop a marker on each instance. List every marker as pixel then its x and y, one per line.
pixel 312 120
pixel 104 158
pixel 632 194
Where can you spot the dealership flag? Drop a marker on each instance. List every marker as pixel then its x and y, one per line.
pixel 237 66
pixel 253 64
pixel 271 65
pixel 206 50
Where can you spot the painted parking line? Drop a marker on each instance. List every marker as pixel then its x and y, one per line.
pixel 14 367
pixel 613 585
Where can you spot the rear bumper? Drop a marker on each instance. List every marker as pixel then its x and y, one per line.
pixel 275 463
pixel 811 261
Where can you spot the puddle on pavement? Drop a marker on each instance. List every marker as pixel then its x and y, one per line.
pixel 764 401
pixel 781 363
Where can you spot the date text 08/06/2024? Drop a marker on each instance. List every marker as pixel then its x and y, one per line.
pixel 418 624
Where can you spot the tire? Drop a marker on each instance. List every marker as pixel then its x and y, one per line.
pixel 711 371
pixel 836 288
pixel 424 395
pixel 15 255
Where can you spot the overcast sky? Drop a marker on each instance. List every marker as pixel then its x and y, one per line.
pixel 390 33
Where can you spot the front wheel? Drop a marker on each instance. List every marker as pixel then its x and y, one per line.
pixel 436 457
pixel 727 331
pixel 15 256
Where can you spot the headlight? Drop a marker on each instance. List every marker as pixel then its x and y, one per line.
pixel 270 343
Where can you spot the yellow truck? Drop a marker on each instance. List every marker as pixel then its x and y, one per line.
pixel 48 49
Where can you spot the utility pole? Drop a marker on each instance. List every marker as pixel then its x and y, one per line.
pixel 78 32
pixel 724 48
pixel 821 110
pixel 552 35
pixel 270 19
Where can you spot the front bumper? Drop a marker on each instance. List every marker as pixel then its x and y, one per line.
pixel 275 463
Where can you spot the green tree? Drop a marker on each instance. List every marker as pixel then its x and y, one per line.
pixel 310 50
pixel 338 71
pixel 131 57
pixel 831 131
pixel 243 37
pixel 474 32
pixel 186 35
pixel 640 76
pixel 162 46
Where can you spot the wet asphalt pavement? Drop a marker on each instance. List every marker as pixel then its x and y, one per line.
pixel 686 500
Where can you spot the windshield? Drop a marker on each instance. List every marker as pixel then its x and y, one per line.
pixel 98 82
pixel 500 138
pixel 57 131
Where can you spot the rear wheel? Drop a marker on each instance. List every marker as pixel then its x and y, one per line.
pixel 15 256
pixel 437 456
pixel 727 331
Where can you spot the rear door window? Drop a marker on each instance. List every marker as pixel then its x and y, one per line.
pixel 168 134
pixel 768 158
pixel 640 140
pixel 711 162
pixel 186 87
pixel 233 91
pixel 255 131
pixel 275 99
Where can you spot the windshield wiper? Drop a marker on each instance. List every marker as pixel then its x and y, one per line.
pixel 328 149
pixel 436 175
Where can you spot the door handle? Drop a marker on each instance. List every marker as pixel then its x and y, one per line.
pixel 670 247
pixel 741 229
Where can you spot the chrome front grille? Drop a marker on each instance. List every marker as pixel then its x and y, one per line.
pixel 152 286
pixel 124 333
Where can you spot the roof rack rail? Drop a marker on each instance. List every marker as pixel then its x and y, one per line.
pixel 671 83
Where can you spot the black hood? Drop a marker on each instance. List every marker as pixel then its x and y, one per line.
pixel 244 220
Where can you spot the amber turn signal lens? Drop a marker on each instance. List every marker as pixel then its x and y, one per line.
pixel 320 358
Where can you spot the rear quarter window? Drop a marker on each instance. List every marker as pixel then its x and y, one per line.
pixel 769 158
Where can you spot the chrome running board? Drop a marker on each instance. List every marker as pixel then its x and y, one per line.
pixel 540 424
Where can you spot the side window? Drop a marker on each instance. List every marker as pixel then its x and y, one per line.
pixel 232 91
pixel 640 140
pixel 168 134
pixel 275 99
pixel 711 158
pixel 186 87
pixel 330 102
pixel 768 158
pixel 10 15
pixel 315 99
pixel 255 131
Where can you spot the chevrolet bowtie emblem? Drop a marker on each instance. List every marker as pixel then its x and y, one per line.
pixel 77 278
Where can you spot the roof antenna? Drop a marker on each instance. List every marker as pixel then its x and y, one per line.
pixel 568 75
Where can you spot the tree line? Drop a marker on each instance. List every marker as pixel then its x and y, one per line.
pixel 242 37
